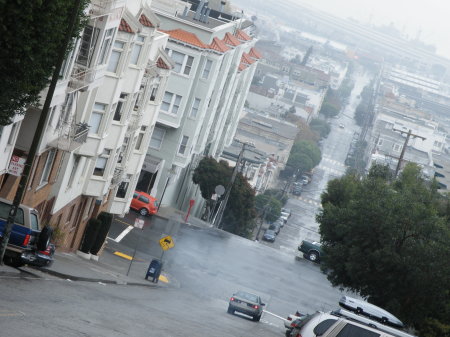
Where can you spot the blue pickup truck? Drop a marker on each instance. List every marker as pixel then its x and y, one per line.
pixel 26 237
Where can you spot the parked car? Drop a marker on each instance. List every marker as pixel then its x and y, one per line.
pixel 297 190
pixel 284 216
pixel 26 234
pixel 372 311
pixel 286 210
pixel 39 258
pixel 311 250
pixel 246 303
pixel 305 179
pixel 144 203
pixel 280 222
pixel 275 227
pixel 344 323
pixel 341 125
pixel 269 235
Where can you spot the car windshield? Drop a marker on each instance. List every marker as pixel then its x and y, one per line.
pixel 247 296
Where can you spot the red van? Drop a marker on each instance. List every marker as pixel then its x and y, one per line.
pixel 144 203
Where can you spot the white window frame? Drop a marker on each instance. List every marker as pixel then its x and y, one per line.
pixel 195 107
pixel 184 66
pixel 397 147
pixel 153 139
pixel 183 146
pixel 114 62
pixel 102 162
pixel 106 46
pixel 119 109
pixel 207 69
pixel 97 110
pixel 137 50
pixel 140 138
pixel 47 169
pixel 172 101
pixel 75 164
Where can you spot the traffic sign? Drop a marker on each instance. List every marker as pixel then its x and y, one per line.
pixel 166 242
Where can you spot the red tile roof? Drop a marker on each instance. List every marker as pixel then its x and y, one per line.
pixel 247 59
pixel 242 66
pixel 218 45
pixel 125 27
pixel 145 21
pixel 255 53
pixel 186 37
pixel 243 36
pixel 231 40
pixel 161 64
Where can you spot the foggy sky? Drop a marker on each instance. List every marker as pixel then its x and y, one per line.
pixel 428 19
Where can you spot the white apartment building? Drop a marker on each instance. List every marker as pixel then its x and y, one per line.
pixel 102 115
pixel 214 64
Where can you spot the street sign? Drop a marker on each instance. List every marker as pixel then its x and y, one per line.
pixel 16 166
pixel 139 223
pixel 166 242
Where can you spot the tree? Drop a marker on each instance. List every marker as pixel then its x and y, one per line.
pixel 320 126
pixel 273 210
pixel 240 210
pixel 29 49
pixel 329 109
pixel 387 241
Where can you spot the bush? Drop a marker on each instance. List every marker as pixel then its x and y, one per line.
pixel 106 221
pixel 90 234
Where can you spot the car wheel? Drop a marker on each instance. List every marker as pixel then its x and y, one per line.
pixel 143 211
pixel 257 318
pixel 313 256
pixel 230 310
pixel 44 238
pixel 359 311
pixel 14 262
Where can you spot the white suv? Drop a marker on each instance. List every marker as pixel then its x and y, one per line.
pixel 342 323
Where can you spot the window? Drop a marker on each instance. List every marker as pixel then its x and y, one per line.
pixel 1 131
pixel 87 45
pixel 106 46
pixel 122 189
pixel 171 102
pixel 123 149
pixel 397 147
pixel 207 69
pixel 12 134
pixel 136 52
pixel 157 138
pixel 116 54
pixel 323 326
pixel 144 199
pixel 350 330
pixel 120 106
pixel 96 118
pixel 100 164
pixel 183 63
pixel 47 167
pixel 183 145
pixel 140 137
pixel 195 106
pixel 76 162
pixel 4 212
pixel 188 65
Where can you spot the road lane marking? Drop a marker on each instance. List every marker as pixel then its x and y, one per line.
pixel 163 279
pixel 7 313
pixel 123 234
pixel 125 256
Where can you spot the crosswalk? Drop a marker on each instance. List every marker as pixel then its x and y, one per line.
pixel 307 200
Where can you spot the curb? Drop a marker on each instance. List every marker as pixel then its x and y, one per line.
pixel 91 279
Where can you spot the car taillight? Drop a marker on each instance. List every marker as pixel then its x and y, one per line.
pixel 255 306
pixel 289 319
pixel 46 252
pixel 299 335
pixel 232 299
pixel 26 241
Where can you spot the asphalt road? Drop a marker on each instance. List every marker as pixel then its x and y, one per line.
pixel 203 269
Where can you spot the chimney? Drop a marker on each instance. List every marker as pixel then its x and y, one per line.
pixel 198 12
pixel 203 13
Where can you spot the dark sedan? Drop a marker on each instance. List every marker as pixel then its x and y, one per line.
pixel 269 235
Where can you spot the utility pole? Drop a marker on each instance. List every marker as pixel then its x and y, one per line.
pixel 223 204
pixel 40 129
pixel 402 154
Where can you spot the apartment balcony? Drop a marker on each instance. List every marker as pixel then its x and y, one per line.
pixel 103 7
pixel 81 77
pixel 71 136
